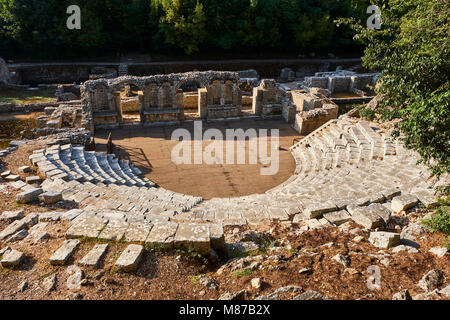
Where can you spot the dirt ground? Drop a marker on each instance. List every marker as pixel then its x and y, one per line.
pixel 150 150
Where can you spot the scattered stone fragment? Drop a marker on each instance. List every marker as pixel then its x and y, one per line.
pixel 208 282
pixel 13 228
pixel 33 180
pixel 20 235
pixel 446 291
pixel 429 295
pixel 37 233
pixel 24 169
pixel 439 251
pixel 236 249
pixel 339 258
pixel 276 295
pixel 358 239
pixel 432 280
pixel 29 195
pixel 49 283
pixel 130 258
pixel 402 247
pixel 240 295
pixel 256 283
pixel 13 177
pixel 75 279
pixel 304 270
pixel 11 216
pixel 62 255
pixel 413 230
pixel 402 295
pixel 384 240
pixel 12 259
pixel 338 217
pixel 4 174
pixel 311 295
pixel 50 197
pixel 427 197
pixel 93 258
pixel 23 286
pixel 403 202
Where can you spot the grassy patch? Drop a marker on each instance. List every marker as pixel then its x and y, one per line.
pixel 440 221
pixel 242 273
pixel 27 96
pixel 196 279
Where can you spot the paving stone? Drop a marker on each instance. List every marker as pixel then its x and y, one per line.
pixel 130 258
pixel 12 258
pixel 50 197
pixel 62 255
pixel 12 177
pixel 4 174
pixel 366 217
pixel 216 236
pixel 29 196
pixel 37 233
pixel 33 180
pixel 72 214
pixel 89 227
pixel 162 234
pixel 11 216
pixel 384 240
pixel 337 217
pixel 137 232
pixel 24 169
pixel 114 230
pixel 193 236
pixel 403 202
pixel 427 197
pixel 316 210
pixel 49 283
pixel 93 257
pixel 391 193
pixel 13 228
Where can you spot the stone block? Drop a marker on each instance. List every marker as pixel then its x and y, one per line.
pixel 384 240
pixel 130 258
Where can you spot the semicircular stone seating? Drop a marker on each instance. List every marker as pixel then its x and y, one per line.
pixel 345 170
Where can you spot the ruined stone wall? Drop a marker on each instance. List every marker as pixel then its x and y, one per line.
pixel 161 97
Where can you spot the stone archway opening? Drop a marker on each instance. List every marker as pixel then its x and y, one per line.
pixel 130 104
pixel 190 89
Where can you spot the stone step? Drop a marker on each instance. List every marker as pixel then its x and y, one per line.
pixel 64 253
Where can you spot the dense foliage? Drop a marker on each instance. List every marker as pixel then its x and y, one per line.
pixel 168 26
pixel 412 50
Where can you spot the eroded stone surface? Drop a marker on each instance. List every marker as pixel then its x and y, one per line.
pixel 130 258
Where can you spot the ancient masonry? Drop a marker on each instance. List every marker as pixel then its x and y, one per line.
pixel 346 169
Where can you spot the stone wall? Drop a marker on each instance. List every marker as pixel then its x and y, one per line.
pixel 268 99
pixel 161 97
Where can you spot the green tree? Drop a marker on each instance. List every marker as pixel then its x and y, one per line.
pixel 412 51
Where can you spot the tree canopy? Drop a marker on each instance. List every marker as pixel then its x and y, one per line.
pixel 38 27
pixel 412 50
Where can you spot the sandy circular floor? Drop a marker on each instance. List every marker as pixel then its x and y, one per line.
pixel 150 149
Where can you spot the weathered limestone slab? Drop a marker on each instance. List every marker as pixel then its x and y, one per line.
pixel 13 228
pixel 130 258
pixel 337 217
pixel 12 258
pixel 11 216
pixel 50 216
pixel 89 227
pixel 93 257
pixel 72 214
pixel 316 210
pixel 62 255
pixel 391 193
pixel 12 177
pixel 427 197
pixel 114 230
pixel 162 234
pixel 37 232
pixel 20 235
pixel 216 236
pixel 278 214
pixel 366 217
pixel 33 180
pixel 19 184
pixel 193 236
pixel 403 202
pixel 50 197
pixel 24 169
pixel 29 196
pixel 137 232
pixel 384 240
